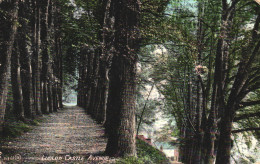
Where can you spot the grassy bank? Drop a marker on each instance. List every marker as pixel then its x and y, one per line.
pixel 146 154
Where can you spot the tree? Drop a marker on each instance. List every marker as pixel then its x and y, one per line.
pixel 45 54
pixel 25 58
pixel 122 91
pixel 105 60
pixel 8 29
pixel 16 84
pixel 198 86
pixel 35 62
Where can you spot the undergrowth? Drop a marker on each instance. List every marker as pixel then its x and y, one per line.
pixel 146 154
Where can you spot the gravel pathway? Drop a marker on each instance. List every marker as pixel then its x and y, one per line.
pixel 68 136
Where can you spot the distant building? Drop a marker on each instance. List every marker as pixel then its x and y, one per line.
pixel 147 140
pixel 170 149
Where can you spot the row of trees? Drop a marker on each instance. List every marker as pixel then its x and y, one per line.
pixel 210 77
pixel 42 50
pixel 107 75
pixel 30 61
pixel 107 66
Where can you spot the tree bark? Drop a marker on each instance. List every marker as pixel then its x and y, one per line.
pixel 36 79
pixel 25 58
pixel 16 85
pixel 55 97
pixel 89 79
pixel 50 95
pixel 82 77
pixel 60 74
pixel 8 29
pixel 45 55
pixel 94 85
pixel 106 58
pixel 102 93
pixel 224 146
pixel 122 95
pixel 121 109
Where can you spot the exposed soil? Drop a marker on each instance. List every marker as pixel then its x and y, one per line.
pixel 68 136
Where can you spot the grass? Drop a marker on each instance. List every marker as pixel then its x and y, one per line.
pixel 13 128
pixel 146 154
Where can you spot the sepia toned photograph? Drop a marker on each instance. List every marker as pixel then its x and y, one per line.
pixel 129 81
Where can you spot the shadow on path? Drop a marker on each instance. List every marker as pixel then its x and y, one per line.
pixel 68 136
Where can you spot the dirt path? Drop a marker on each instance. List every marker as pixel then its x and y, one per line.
pixel 68 136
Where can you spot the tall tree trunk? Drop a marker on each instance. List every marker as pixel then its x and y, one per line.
pixel 82 76
pixel 94 85
pixel 105 60
pixel 16 85
pixel 122 95
pixel 89 79
pixel 36 79
pixel 8 29
pixel 220 77
pixel 60 75
pixel 80 85
pixel 198 137
pixel 57 67
pixel 225 141
pixel 55 97
pixel 121 109
pixel 25 58
pixel 50 95
pixel 102 93
pixel 45 54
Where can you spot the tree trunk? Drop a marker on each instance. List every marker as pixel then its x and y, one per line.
pixel 55 97
pixel 122 95
pixel 94 85
pixel 60 75
pixel 224 146
pixel 50 96
pixel 45 55
pixel 89 79
pixel 102 93
pixel 80 86
pixel 8 29
pixel 26 71
pixel 36 80
pixel 82 77
pixel 16 85
pixel 44 107
pixel 121 109
pixel 105 60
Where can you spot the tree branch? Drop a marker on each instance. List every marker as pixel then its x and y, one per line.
pixel 244 130
pixel 256 27
pixel 224 5
pixel 244 116
pixel 250 103
pixel 248 3
pixel 233 4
